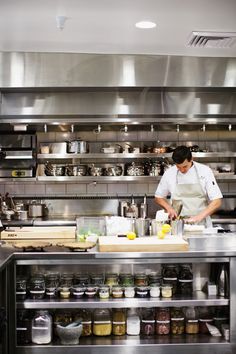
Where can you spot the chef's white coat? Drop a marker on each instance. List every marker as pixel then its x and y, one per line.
pixel 198 172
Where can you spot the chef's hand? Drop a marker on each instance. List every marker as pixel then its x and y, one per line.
pixel 172 213
pixel 193 219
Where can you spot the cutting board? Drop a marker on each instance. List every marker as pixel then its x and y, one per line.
pixel 39 232
pixel 142 244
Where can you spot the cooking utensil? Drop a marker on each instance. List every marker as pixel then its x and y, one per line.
pixel 143 208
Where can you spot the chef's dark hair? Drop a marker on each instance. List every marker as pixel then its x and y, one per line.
pixel 181 153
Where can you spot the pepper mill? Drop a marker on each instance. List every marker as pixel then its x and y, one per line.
pixel 143 208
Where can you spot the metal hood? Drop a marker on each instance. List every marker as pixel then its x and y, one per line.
pixel 60 70
pixel 89 88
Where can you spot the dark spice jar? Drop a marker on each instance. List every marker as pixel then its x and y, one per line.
pixel 185 280
pixel 169 276
pixel 147 322
pixel 37 288
pixel 163 321
pixel 142 291
pixel 21 289
pixel 23 327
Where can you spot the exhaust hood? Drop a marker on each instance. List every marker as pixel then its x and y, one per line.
pixel 66 88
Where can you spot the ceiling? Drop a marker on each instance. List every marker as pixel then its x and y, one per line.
pixel 108 26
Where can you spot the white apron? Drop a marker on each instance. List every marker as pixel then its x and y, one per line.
pixel 193 198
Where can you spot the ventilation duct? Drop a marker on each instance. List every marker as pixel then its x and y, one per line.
pixel 212 39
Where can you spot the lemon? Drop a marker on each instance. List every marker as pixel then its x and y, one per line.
pixel 166 228
pixel 161 234
pixel 131 235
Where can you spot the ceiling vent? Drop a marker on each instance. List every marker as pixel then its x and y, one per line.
pixel 212 39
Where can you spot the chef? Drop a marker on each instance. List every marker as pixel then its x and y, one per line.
pixel 191 184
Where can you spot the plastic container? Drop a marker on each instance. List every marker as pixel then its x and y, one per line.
pixel 90 226
pixel 132 323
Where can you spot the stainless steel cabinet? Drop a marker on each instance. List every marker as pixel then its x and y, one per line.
pixel 71 262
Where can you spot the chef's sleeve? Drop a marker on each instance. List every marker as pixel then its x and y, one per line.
pixel 212 188
pixel 162 190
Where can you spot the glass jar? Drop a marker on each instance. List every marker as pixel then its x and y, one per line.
pixel 104 292
pixel 117 291
pixel 177 321
pixel 37 288
pixel 82 279
pixel 91 291
pixel 97 279
pixel 111 279
pixel 163 321
pixel 118 322
pixel 221 316
pixel 23 327
pixel 51 285
pixel 129 291
pixel 77 291
pixel 154 277
pixel 140 279
pixel 102 323
pixel 205 316
pixel 142 291
pixel 166 290
pixel 132 323
pixel 191 320
pixel 21 289
pixel 154 290
pixel 41 328
pixel 65 286
pixel 185 280
pixel 169 276
pixel 126 279
pixel 147 322
pixel 86 317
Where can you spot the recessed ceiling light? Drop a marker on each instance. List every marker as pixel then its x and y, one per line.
pixel 145 24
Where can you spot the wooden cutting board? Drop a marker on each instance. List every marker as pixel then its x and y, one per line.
pixel 142 244
pixel 39 232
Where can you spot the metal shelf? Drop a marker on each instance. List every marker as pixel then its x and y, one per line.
pixel 133 156
pixel 134 344
pixel 197 299
pixel 107 179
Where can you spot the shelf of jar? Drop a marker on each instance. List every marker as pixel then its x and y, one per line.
pixel 198 298
pixel 179 343
pixel 132 155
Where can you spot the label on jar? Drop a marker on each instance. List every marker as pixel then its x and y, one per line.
pixel 49 293
pixel 86 322
pixel 142 292
pixel 163 321
pixel 21 329
pixel 205 319
pixel 20 292
pixel 185 281
pixel 192 321
pixel 90 293
pixel 33 327
pixel 118 323
pixel 177 319
pixel 100 322
pixel 148 321
pixel 78 293
pixel 37 291
pixel 170 279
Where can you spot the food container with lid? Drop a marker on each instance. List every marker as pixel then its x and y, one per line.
pixel 91 290
pixel 142 291
pixel 86 317
pixel 191 320
pixel 78 290
pixel 147 322
pixel 117 291
pixel 129 291
pixel 21 288
pixel 169 276
pixel 102 322
pixel 177 322
pixel 126 279
pixel 104 292
pixel 133 322
pixel 166 290
pixel 118 322
pixel 154 290
pixel 140 279
pixel 185 281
